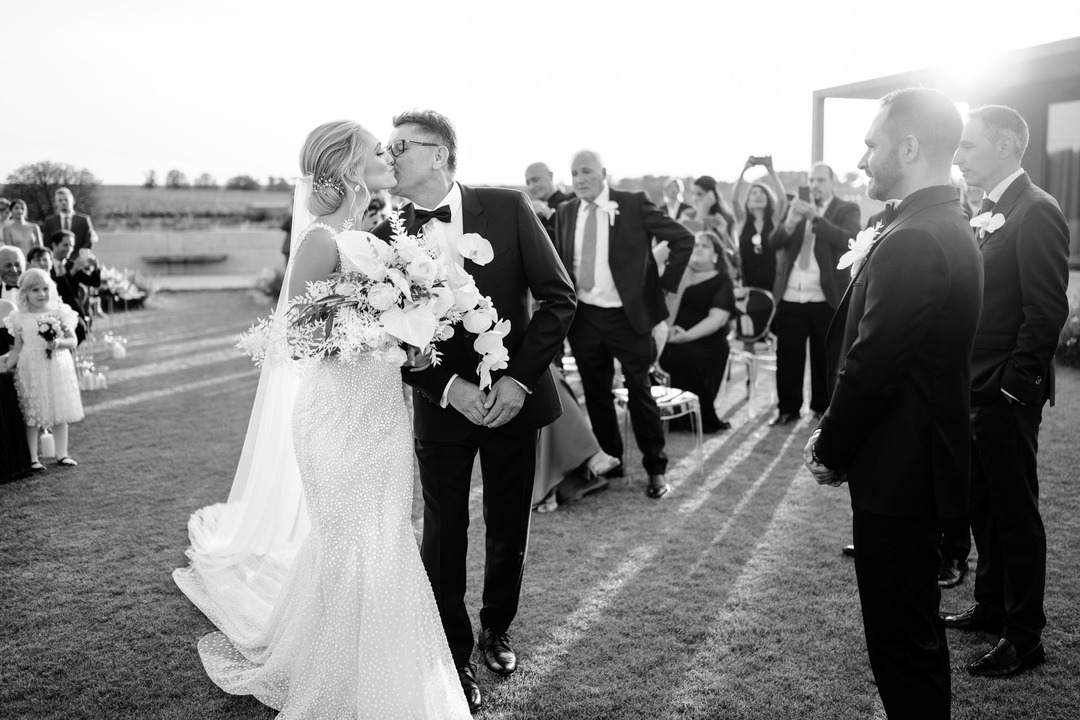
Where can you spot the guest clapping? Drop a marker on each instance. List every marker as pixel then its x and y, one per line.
pixel 20 233
pixel 758 211
pixel 73 275
pixel 48 388
pixel 697 348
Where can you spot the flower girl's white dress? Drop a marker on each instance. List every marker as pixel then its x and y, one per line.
pixel 352 631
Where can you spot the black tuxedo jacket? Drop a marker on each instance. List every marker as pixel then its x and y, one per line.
pixel 630 240
pixel 898 421
pixel 839 224
pixel 1025 305
pixel 525 263
pixel 80 226
pixel 678 212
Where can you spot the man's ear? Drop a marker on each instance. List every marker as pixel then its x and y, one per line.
pixel 909 148
pixel 440 158
pixel 1006 147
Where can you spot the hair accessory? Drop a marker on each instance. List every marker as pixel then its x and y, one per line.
pixel 322 183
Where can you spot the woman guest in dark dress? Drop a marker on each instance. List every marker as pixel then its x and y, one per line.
pixel 697 349
pixel 758 212
pixel 14 454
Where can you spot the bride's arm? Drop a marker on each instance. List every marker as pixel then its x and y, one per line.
pixel 315 260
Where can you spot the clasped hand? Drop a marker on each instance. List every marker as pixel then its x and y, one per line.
pixel 492 409
pixel 823 475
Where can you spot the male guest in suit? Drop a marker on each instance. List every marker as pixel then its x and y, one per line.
pixel 605 238
pixel 674 205
pixel 897 426
pixel 72 274
pixel 1025 252
pixel 454 419
pixel 546 198
pixel 12 265
pixel 808 288
pixel 66 218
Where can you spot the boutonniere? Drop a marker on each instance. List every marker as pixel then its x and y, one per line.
pixel 858 249
pixel 987 223
pixel 476 248
pixel 611 208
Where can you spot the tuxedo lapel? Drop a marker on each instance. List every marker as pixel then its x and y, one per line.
pixel 569 237
pixel 1005 205
pixel 473 221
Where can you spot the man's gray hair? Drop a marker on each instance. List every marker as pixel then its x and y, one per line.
pixel 1001 121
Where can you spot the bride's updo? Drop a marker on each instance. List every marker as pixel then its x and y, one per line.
pixel 331 151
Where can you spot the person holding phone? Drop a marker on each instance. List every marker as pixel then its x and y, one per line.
pixel 808 288
pixel 759 210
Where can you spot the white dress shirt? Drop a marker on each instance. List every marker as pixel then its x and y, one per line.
pixel 804 286
pixel 603 293
pixel 995 195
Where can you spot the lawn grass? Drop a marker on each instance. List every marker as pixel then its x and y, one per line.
pixel 728 599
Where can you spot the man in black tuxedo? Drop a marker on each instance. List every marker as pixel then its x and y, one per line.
pixel 72 275
pixel 65 218
pixel 546 198
pixel 1024 240
pixel 808 288
pixel 454 419
pixel 12 266
pixel 897 425
pixel 605 238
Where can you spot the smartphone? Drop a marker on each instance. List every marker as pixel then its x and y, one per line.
pixel 760 159
pixel 804 193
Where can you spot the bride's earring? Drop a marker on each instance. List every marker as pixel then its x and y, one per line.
pixel 356 188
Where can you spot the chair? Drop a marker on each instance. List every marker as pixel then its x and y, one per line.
pixel 673 403
pixel 757 308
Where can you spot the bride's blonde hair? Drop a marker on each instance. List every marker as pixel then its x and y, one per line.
pixel 330 152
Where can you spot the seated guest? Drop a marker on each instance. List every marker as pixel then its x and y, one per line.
pixel 12 264
pixel 569 461
pixel 14 453
pixel 697 348
pixel 40 258
pixel 758 212
pixel 19 232
pixel 72 276
pixel 711 213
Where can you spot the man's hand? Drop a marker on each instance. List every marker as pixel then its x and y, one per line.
pixel 467 399
pixel 541 208
pixel 822 474
pixel 801 209
pixel 503 402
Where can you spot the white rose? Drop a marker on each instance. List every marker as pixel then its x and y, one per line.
pixel 475 248
pixel 395 356
pixel 422 269
pixel 383 296
pixel 479 320
pixel 408 249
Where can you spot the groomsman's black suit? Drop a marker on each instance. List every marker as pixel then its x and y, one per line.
pixel 67 286
pixel 447 443
pixel 1024 308
pixel 599 334
pixel 81 226
pixel 898 426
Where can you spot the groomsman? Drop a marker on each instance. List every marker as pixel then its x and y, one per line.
pixel 65 218
pixel 808 288
pixel 605 239
pixel 453 419
pixel 546 198
pixel 897 424
pixel 1024 240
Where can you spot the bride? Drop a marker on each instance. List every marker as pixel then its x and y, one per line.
pixel 311 571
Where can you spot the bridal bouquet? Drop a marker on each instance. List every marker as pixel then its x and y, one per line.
pixel 402 295
pixel 50 328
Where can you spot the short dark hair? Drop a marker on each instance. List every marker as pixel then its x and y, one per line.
pixel 57 237
pixel 36 251
pixel 928 114
pixel 435 124
pixel 1000 121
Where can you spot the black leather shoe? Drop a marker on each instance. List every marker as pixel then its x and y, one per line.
pixel 848 551
pixel 497 653
pixel 952 573
pixel 784 419
pixel 658 488
pixel 467 676
pixel 974 618
pixel 1005 660
pixel 613 473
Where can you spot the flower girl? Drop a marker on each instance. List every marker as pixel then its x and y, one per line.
pixel 48 388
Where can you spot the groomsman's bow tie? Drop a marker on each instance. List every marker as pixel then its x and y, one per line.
pixel 10 287
pixel 987 205
pixel 890 212
pixel 442 213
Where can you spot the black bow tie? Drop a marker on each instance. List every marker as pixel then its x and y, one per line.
pixel 442 214
pixel 986 206
pixel 10 287
pixel 891 211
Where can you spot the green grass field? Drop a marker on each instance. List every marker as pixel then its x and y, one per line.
pixel 728 599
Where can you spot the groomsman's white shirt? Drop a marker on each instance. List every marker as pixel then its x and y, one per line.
pixel 603 293
pixel 994 195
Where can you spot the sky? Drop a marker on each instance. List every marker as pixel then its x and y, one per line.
pixel 684 88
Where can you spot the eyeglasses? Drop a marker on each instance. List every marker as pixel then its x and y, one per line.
pixel 398 148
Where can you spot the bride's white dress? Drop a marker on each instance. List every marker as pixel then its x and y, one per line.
pixel 351 629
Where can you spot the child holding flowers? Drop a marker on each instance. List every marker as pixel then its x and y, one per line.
pixel 45 378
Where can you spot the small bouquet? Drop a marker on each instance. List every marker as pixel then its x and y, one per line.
pixel 50 327
pixel 402 294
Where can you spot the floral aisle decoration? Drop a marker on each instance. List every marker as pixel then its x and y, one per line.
pixel 403 295
pixel 123 289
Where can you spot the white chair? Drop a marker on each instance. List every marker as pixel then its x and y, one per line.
pixel 752 341
pixel 673 403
